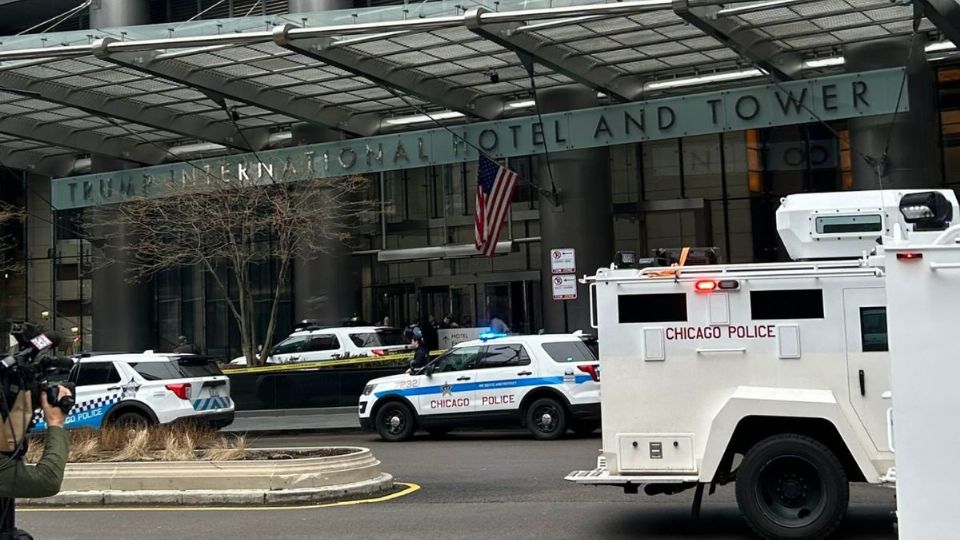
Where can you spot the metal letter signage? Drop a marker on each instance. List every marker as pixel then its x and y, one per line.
pixel 797 102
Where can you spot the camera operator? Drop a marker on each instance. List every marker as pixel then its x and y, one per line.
pixel 18 479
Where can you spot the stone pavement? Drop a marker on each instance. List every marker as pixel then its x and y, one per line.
pixel 294 420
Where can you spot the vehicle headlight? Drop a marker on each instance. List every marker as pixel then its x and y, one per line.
pixel 368 389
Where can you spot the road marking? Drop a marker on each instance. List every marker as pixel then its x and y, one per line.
pixel 409 489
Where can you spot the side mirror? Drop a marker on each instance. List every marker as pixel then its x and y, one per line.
pixel 428 371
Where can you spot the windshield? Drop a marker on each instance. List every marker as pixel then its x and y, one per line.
pixel 198 366
pixel 380 338
pixel 291 344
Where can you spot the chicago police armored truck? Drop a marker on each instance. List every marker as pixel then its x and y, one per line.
pixel 775 375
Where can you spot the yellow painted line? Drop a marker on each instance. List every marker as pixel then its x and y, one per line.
pixel 409 489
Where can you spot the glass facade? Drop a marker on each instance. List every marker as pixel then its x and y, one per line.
pixel 711 190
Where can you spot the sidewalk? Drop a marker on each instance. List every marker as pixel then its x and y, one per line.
pixel 301 420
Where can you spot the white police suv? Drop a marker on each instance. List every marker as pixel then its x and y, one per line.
pixel 148 388
pixel 548 383
pixel 316 343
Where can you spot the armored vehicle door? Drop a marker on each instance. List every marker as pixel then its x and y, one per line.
pixel 868 362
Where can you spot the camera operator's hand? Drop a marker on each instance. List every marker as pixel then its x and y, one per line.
pixel 53 415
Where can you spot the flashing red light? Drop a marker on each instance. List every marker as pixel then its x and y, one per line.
pixel 593 370
pixel 182 390
pixel 378 352
pixel 909 256
pixel 705 285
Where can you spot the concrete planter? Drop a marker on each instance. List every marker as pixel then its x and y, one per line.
pixel 306 479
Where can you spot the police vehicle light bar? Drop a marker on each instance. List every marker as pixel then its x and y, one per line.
pixel 492 335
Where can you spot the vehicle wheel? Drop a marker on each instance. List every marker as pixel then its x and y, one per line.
pixel 131 419
pixel 438 431
pixel 584 427
pixel 546 419
pixel 395 422
pixel 791 487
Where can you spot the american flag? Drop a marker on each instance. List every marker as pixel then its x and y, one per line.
pixel 495 187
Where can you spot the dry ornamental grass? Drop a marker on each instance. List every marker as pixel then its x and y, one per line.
pixel 181 442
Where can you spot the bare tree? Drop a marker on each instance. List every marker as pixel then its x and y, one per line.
pixel 238 223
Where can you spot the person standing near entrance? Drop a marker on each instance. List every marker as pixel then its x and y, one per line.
pixel 430 336
pixel 498 325
pixel 422 354
pixel 185 347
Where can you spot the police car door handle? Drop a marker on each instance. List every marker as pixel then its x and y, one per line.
pixel 525 373
pixel 114 387
pixel 463 378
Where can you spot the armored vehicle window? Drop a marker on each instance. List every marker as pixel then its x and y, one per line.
pixel 787 304
pixel 496 356
pixel 849 224
pixel 569 351
pixel 97 373
pixel 644 308
pixel 873 329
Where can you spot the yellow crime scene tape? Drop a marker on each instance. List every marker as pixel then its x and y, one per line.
pixel 321 364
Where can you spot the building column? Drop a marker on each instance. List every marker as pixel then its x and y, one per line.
pixel 122 311
pixel 326 286
pixel 583 220
pixel 913 159
pixel 113 13
pixel 307 6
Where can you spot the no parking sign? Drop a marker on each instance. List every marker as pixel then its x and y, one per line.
pixel 563 261
pixel 565 287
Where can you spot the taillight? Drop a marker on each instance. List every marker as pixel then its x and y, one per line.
pixel 182 390
pixel 909 256
pixel 593 370
pixel 705 285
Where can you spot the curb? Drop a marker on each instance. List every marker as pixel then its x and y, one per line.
pixel 293 431
pixel 382 482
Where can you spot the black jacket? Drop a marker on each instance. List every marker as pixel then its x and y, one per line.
pixel 421 357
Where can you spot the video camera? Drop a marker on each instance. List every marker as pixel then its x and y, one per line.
pixel 24 377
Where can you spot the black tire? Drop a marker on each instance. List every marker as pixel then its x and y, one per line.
pixel 584 427
pixel 131 419
pixel 792 487
pixel 395 422
pixel 546 419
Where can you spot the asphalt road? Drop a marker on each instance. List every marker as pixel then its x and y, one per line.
pixel 482 485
